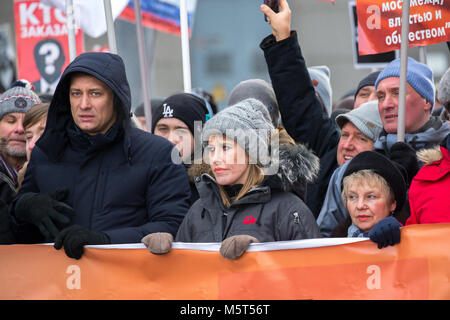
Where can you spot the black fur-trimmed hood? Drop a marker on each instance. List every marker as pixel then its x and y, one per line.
pixel 298 166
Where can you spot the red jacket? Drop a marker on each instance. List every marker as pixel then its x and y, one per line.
pixel 429 194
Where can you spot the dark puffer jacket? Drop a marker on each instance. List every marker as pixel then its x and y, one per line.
pixel 269 212
pixel 123 182
pixel 301 111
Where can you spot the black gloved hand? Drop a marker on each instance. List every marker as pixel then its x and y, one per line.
pixel 404 155
pixel 386 232
pixel 44 211
pixel 75 237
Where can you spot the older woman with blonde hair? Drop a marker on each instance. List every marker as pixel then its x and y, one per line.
pixel 374 190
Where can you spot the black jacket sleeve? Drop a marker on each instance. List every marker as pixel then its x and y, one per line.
pixel 301 110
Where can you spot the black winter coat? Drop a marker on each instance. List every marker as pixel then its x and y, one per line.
pixel 301 111
pixel 124 182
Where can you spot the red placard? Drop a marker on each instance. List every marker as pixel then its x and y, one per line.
pixel 42 43
pixel 379 24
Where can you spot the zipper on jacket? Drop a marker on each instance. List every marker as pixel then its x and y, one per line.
pixel 296 217
pixel 224 223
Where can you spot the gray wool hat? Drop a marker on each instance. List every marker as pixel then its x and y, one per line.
pixel 320 77
pixel 19 98
pixel 366 118
pixel 443 92
pixel 247 122
pixel 260 90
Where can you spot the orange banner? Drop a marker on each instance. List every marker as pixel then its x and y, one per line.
pixel 379 24
pixel 417 268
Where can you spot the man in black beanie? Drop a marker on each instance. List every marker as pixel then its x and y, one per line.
pixel 179 119
pixel 365 91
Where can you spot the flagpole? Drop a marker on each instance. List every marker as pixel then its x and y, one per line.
pixel 71 30
pixel 403 72
pixel 110 27
pixel 143 64
pixel 185 46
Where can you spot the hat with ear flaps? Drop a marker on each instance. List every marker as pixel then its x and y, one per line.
pixel 394 174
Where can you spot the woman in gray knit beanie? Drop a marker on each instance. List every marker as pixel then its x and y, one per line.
pixel 239 203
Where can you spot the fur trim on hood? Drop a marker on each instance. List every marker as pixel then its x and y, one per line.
pixel 196 170
pixel 428 156
pixel 298 167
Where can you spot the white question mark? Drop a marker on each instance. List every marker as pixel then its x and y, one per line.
pixel 51 52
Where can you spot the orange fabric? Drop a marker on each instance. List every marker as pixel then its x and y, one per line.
pixel 417 268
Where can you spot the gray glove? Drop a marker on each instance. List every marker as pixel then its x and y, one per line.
pixel 234 246
pixel 158 243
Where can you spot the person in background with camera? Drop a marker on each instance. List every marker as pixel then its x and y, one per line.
pixel 301 110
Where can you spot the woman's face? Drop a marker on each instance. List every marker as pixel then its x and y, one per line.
pixel 367 204
pixel 32 134
pixel 228 161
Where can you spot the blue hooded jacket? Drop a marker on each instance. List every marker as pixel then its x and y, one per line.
pixel 123 182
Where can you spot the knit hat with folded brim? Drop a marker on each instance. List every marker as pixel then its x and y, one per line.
pixel 393 173
pixel 247 122
pixel 419 76
pixel 19 98
pixel 366 118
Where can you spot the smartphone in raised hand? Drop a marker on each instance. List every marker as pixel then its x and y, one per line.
pixel 272 4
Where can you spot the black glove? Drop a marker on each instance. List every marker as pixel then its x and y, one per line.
pixel 386 232
pixel 404 155
pixel 44 211
pixel 75 237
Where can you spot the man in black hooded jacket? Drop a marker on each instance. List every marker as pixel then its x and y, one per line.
pixel 118 182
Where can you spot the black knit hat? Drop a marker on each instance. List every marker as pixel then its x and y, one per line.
pixel 183 106
pixel 393 173
pixel 369 80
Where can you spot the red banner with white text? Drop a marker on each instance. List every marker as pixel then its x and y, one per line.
pixel 417 268
pixel 42 44
pixel 379 24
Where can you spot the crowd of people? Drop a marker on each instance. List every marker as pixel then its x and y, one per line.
pixel 280 162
